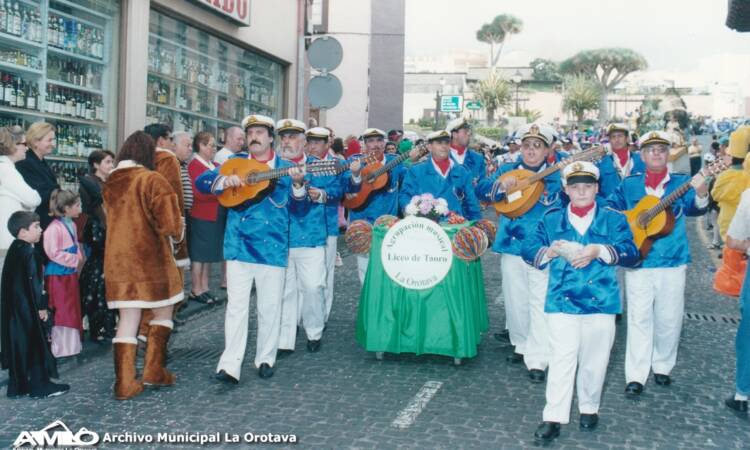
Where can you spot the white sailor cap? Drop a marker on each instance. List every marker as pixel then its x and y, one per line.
pixel 656 137
pixel 440 134
pixel 290 125
pixel 318 133
pixel 618 127
pixel 457 124
pixel 373 132
pixel 257 120
pixel 580 172
pixel 543 132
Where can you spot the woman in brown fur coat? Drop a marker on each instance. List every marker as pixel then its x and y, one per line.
pixel 144 220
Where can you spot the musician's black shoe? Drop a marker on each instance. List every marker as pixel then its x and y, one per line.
pixel 633 390
pixel 313 346
pixel 739 407
pixel 588 422
pixel 662 380
pixel 547 432
pixel 226 378
pixel 503 336
pixel 515 358
pixel 536 376
pixel 265 371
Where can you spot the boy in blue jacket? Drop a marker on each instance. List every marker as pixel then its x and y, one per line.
pixel 581 244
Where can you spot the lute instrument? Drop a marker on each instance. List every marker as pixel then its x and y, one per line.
pixel 652 217
pixel 375 176
pixel 530 185
pixel 258 179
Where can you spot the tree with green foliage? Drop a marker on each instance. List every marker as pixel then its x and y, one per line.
pixel 545 70
pixel 494 93
pixel 581 94
pixel 497 32
pixel 609 66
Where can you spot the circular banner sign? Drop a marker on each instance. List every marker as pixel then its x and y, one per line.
pixel 416 253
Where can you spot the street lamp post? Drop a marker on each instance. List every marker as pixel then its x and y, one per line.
pixel 516 79
pixel 438 95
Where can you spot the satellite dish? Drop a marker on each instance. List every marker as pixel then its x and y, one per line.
pixel 325 54
pixel 324 91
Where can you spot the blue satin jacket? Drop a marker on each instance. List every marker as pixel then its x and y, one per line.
pixel 592 289
pixel 512 232
pixel 258 232
pixel 457 188
pixel 345 185
pixel 384 201
pixel 671 250
pixel 475 164
pixel 609 177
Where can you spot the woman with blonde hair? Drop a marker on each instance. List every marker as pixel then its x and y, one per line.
pixel 40 138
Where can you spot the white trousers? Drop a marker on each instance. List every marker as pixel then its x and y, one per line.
pixel 269 286
pixel 525 291
pixel 362 262
pixel 656 303
pixel 331 248
pixel 577 341
pixel 304 295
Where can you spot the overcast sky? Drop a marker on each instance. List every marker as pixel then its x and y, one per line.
pixel 671 34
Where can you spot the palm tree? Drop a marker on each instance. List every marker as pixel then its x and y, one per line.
pixel 497 32
pixel 582 94
pixel 494 93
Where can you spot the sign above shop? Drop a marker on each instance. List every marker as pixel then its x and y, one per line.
pixel 235 10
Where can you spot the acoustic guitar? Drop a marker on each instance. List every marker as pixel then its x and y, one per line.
pixel 257 178
pixel 376 176
pixel 530 185
pixel 653 218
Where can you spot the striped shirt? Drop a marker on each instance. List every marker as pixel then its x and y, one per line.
pixel 187 187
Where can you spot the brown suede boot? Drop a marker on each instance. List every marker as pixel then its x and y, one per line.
pixel 154 372
pixel 126 385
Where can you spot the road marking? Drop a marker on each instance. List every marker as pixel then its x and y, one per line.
pixel 407 416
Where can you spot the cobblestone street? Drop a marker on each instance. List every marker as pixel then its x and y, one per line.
pixel 344 397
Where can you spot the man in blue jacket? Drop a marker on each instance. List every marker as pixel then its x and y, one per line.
pixel 619 162
pixel 442 177
pixel 524 287
pixel 256 247
pixel 460 133
pixel 655 291
pixel 383 201
pixel 304 289
pixel 581 244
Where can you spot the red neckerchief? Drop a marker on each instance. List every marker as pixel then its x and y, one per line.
pixel 622 155
pixel 299 159
pixel 443 165
pixel 654 179
pixel 265 160
pixel 551 158
pixel 581 211
pixel 460 150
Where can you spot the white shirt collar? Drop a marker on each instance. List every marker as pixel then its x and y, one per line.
pixel 581 224
pixel 126 164
pixel 459 157
pixel 271 162
pixel 660 189
pixel 437 169
pixel 208 164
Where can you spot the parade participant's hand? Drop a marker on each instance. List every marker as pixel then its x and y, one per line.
pixel 314 193
pixel 355 167
pixel 298 175
pixel 414 154
pixel 588 254
pixel 699 184
pixel 552 250
pixel 232 181
pixel 508 183
pixel 43 314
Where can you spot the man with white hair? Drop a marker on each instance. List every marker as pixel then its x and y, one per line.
pixel 656 289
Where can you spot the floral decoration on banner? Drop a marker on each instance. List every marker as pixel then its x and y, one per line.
pixel 427 206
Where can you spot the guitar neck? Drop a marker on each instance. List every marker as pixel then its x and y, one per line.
pixel 583 156
pixel 390 165
pixel 667 201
